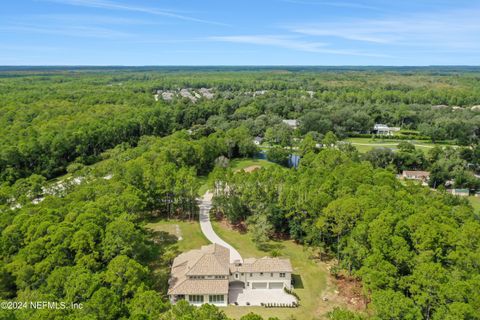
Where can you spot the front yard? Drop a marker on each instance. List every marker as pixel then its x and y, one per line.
pixel 312 282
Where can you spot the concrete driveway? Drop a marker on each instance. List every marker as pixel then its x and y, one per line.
pixel 205 204
pixel 258 296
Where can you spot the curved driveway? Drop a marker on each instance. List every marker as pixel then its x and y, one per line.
pixel 205 204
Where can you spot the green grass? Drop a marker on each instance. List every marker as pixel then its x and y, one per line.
pixel 238 164
pixel 366 144
pixel 192 236
pixel 475 202
pixel 313 277
pixel 204 185
pixel 235 164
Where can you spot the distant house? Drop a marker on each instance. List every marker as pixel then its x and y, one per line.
pixel 477 194
pixel 440 106
pixel 291 123
pixel 459 192
pixel 422 176
pixel 206 276
pixel 258 140
pixel 383 129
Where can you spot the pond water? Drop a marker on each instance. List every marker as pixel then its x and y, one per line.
pixel 293 159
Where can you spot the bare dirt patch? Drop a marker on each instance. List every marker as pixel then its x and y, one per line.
pixel 251 168
pixel 350 291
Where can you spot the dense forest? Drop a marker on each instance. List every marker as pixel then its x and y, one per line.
pixel 416 251
pixel 136 144
pixel 52 118
pixel 89 245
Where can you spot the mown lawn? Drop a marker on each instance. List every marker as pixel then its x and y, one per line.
pixel 475 201
pixel 366 144
pixel 235 164
pixel 311 278
pixel 192 236
pixel 238 164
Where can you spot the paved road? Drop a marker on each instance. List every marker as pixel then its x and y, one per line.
pixel 205 205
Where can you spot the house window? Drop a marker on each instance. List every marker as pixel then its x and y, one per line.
pixel 242 273
pixel 261 273
pixel 219 277
pixel 271 274
pixel 251 274
pixel 195 299
pixel 248 284
pixel 282 275
pixel 216 298
pixel 236 275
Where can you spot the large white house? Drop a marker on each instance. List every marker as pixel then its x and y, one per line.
pixel 383 129
pixel 206 276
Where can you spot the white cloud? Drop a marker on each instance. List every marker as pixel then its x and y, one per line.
pixel 340 4
pixel 455 29
pixel 112 5
pixel 74 31
pixel 290 42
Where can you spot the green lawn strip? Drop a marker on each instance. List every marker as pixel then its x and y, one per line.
pixel 192 236
pixel 235 164
pixel 204 185
pixel 313 277
pixel 367 144
pixel 475 202
pixel 238 164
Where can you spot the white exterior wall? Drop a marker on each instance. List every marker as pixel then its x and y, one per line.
pixel 266 277
pixel 206 300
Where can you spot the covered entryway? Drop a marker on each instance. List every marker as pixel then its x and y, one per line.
pixel 259 285
pixel 275 285
pixel 236 285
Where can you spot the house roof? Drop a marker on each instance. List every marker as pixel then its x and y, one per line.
pixel 264 264
pixel 207 261
pixel 290 122
pixel 213 260
pixel 416 173
pixel 199 286
pixel 209 264
pixel 380 126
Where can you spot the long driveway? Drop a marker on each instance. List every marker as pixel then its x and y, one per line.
pixel 205 204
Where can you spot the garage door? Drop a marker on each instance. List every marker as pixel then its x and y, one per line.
pixel 275 285
pixel 259 285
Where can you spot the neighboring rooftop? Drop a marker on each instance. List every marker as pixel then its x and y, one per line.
pixel 291 122
pixel 416 174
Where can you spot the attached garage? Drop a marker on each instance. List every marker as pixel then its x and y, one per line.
pixel 259 285
pixel 275 285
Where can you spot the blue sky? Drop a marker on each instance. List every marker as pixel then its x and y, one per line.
pixel 231 32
